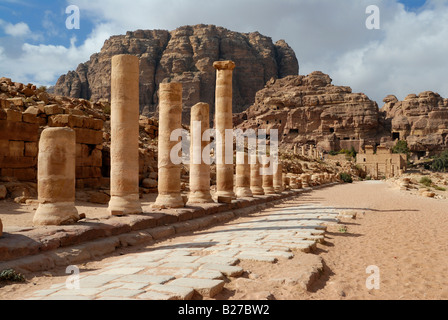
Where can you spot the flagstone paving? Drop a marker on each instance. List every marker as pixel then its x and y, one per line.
pixel 180 270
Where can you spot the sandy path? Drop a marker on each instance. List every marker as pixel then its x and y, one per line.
pixel 404 235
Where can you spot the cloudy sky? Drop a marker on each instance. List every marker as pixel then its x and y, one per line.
pixel 407 54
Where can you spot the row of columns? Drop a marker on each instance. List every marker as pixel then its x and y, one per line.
pixel 56 169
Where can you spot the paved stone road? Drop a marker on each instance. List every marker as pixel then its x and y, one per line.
pixel 178 271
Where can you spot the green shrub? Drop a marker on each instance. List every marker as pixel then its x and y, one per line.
pixel 11 275
pixel 426 181
pixel 401 147
pixel 440 163
pixel 347 178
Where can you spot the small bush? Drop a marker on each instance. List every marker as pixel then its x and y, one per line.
pixel 426 181
pixel 439 188
pixel 401 147
pixel 347 178
pixel 440 163
pixel 11 275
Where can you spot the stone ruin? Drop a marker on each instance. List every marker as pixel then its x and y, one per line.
pixel 382 163
pixel 57 156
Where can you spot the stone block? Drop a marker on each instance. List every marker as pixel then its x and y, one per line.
pixel 13 115
pixel 4 147
pixel 16 148
pixel 88 136
pixel 24 174
pixel 29 118
pixel 175 292
pixel 53 109
pixel 10 130
pixel 31 149
pixel 3 192
pixel 205 287
pixel 17 102
pixel 18 162
pixel 66 120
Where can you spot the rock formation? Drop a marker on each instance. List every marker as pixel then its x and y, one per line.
pixel 185 55
pixel 310 110
pixel 421 120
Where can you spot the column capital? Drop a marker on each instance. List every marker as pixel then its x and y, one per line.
pixel 224 65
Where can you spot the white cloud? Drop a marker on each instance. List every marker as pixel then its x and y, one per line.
pixel 410 59
pixel 43 64
pixel 17 30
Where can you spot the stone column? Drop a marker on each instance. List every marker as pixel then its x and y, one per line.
pixel 256 181
pixel 223 122
pixel 124 167
pixel 286 182
pixel 303 151
pixel 268 177
pixel 311 151
pixel 293 182
pixel 56 177
pixel 305 180
pixel 170 119
pixel 278 179
pixel 243 175
pixel 199 170
pixel 299 183
pixel 295 149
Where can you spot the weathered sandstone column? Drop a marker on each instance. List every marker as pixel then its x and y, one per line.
pixel 256 181
pixel 299 183
pixel 286 182
pixel 311 151
pixel 293 182
pixel 56 177
pixel 124 174
pixel 295 149
pixel 305 180
pixel 278 179
pixel 243 175
pixel 170 119
pixel 268 177
pixel 223 121
pixel 303 151
pixel 199 170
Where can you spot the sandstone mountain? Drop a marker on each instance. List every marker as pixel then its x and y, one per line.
pixel 310 110
pixel 421 120
pixel 185 55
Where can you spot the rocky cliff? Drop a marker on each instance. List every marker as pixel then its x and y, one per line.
pixel 185 55
pixel 310 110
pixel 421 120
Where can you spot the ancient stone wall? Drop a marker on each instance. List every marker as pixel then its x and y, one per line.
pixel 25 111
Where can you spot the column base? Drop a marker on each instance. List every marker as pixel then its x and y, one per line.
pixel 243 192
pixel 124 205
pixel 269 190
pixel 279 189
pixel 229 194
pixel 200 197
pixel 55 214
pixel 257 191
pixel 169 201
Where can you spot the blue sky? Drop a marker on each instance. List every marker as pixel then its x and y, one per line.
pixel 406 55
